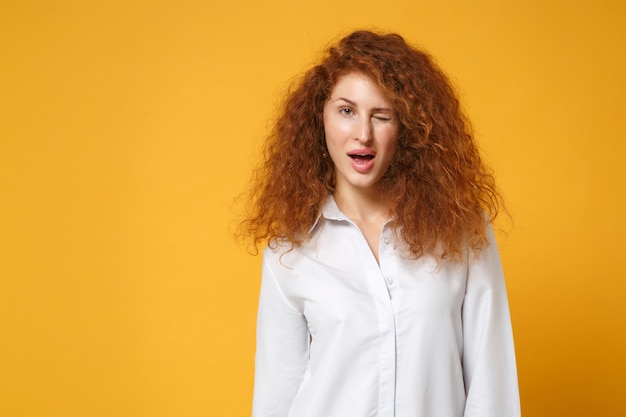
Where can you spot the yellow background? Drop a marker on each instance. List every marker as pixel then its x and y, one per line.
pixel 128 128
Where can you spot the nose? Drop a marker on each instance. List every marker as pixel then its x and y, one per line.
pixel 364 132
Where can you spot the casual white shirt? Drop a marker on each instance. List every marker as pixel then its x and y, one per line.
pixel 339 335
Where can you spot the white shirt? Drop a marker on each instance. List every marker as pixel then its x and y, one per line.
pixel 339 335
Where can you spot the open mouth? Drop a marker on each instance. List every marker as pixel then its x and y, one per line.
pixel 361 157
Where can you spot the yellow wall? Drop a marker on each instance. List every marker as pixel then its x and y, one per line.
pixel 127 128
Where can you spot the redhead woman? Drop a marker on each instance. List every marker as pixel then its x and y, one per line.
pixel 382 290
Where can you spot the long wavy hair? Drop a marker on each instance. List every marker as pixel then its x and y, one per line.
pixel 440 193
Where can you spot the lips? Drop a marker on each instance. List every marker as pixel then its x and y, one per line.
pixel 362 159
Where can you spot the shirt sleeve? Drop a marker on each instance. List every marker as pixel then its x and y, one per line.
pixel 282 349
pixel 488 352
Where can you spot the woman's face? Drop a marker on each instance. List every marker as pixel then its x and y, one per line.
pixel 361 132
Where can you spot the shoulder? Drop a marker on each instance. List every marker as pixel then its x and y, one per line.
pixel 489 248
pixel 281 256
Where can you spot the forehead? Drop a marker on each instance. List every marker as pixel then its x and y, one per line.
pixel 356 85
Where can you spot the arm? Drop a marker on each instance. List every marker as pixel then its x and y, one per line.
pixel 488 353
pixel 282 349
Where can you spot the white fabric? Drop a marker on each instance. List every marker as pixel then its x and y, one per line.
pixel 340 336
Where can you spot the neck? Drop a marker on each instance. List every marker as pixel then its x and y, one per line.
pixel 362 205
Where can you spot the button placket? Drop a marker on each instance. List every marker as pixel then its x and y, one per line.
pixel 387 259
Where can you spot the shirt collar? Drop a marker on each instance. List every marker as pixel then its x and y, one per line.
pixel 329 211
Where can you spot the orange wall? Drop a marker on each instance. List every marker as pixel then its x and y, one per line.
pixel 127 128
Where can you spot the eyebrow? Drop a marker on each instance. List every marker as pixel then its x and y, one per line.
pixel 352 103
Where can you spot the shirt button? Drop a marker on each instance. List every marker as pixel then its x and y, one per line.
pixel 389 280
pixel 386 240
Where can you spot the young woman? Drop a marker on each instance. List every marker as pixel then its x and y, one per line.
pixel 382 290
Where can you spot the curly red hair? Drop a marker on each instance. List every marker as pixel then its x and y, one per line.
pixel 440 193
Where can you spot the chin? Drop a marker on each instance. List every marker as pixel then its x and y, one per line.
pixel 365 185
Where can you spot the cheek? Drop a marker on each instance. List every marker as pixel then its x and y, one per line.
pixel 390 138
pixel 328 129
pixel 334 131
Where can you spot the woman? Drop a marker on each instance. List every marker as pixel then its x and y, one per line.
pixel 382 291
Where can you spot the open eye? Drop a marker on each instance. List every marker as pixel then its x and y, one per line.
pixel 346 111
